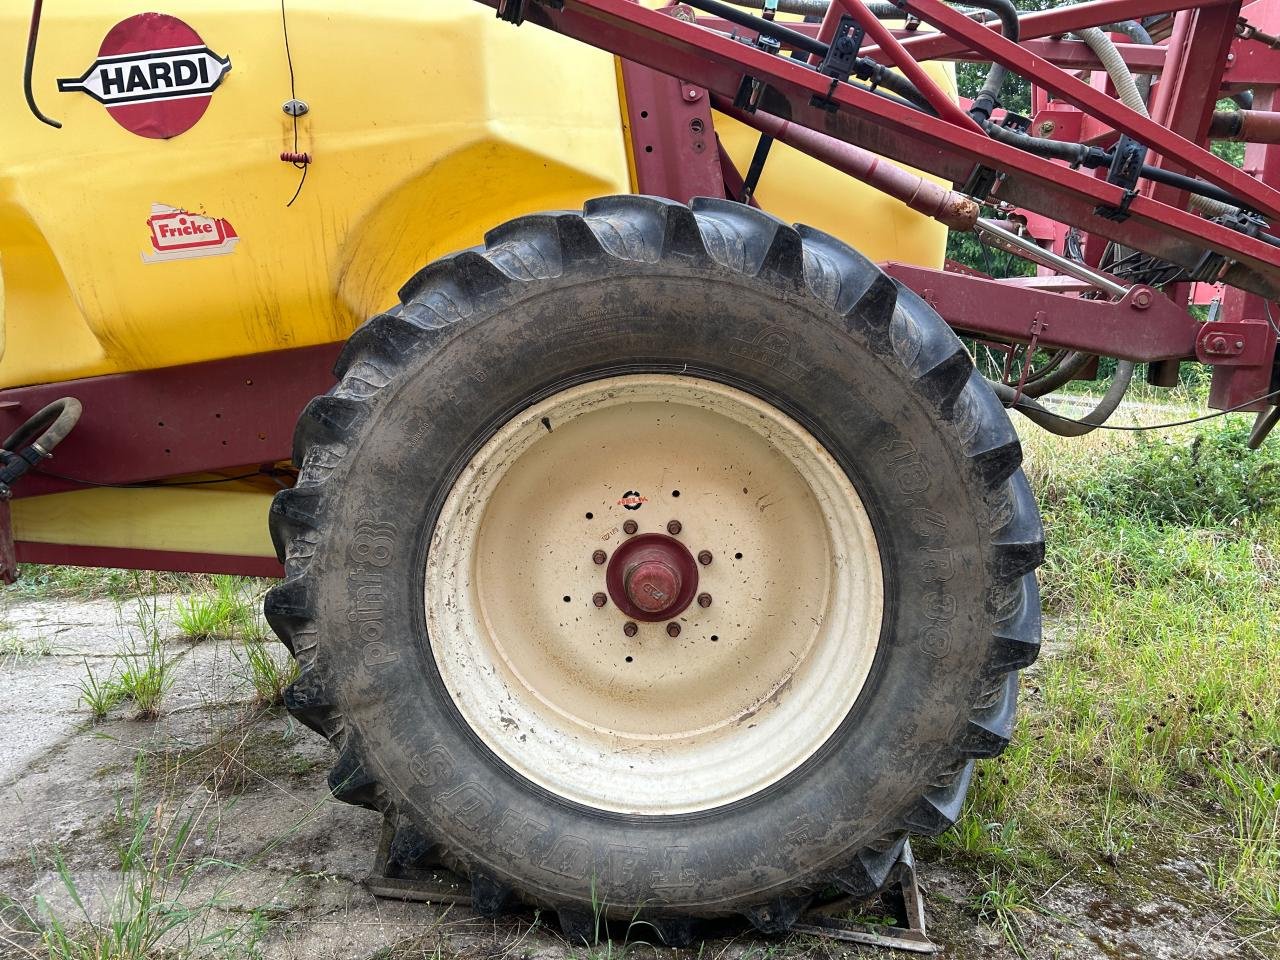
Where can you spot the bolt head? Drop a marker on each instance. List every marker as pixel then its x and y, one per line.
pixel 630 527
pixel 673 629
pixel 704 557
pixel 1217 344
pixel 704 599
pixel 1239 344
pixel 674 527
pixel 600 599
pixel 599 557
pixel 630 629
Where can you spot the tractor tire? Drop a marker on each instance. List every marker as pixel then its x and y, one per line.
pixel 743 410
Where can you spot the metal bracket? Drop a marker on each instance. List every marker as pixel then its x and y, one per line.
pixel 900 897
pixel 1126 166
pixel 513 11
pixel 1228 343
pixel 841 61
pixel 8 552
pixel 418 884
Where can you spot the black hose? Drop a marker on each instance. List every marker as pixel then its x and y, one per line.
pixel 879 75
pixel 988 97
pixel 1190 184
pixel 1062 426
pixel 867 69
pixel 46 428
pixel 35 440
pixel 1080 155
pixel 789 38
pixel 1064 373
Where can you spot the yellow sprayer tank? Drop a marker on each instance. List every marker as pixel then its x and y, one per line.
pixel 124 247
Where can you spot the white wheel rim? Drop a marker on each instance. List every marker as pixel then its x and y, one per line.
pixel 653 724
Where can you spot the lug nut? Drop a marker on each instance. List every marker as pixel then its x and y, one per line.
pixel 599 557
pixel 630 629
pixel 704 557
pixel 600 599
pixel 673 629
pixel 630 527
pixel 704 599
pixel 674 527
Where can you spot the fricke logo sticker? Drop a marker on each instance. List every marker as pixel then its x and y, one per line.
pixel 154 75
pixel 179 235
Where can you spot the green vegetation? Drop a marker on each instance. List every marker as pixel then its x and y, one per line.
pixel 141 673
pixel 20 646
pixel 1150 726
pixel 225 612
pixel 161 907
pixel 94 583
pixel 267 669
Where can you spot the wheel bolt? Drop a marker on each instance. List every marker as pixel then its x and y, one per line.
pixel 704 599
pixel 600 599
pixel 673 527
pixel 704 557
pixel 599 557
pixel 630 527
pixel 630 629
pixel 673 629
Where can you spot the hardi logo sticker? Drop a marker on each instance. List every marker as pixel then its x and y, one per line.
pixel 179 235
pixel 154 75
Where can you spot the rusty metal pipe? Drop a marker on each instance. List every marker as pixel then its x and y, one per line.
pixel 920 194
pixel 1249 126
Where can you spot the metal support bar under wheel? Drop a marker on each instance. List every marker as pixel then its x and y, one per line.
pixel 900 897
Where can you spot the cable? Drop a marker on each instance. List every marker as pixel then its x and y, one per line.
pixel 28 67
pixel 151 484
pixel 293 95
pixel 1266 305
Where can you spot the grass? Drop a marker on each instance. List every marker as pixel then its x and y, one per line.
pixel 95 583
pixel 167 902
pixel 1151 727
pixel 141 673
pixel 17 646
pixel 267 669
pixel 228 611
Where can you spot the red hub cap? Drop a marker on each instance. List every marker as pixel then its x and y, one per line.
pixel 652 577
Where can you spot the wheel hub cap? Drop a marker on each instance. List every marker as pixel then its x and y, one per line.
pixel 652 577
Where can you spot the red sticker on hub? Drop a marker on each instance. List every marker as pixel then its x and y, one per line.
pixel 154 75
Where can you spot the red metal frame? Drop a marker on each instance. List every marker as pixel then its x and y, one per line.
pixel 718 63
pixel 1193 70
pixel 176 561
pixel 195 418
pixel 158 424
